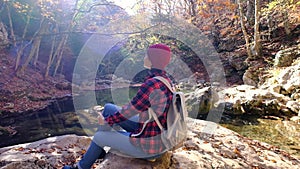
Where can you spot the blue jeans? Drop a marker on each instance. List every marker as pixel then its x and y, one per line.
pixel 129 125
pixel 118 140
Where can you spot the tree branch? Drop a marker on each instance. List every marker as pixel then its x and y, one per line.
pixel 97 33
pixel 95 5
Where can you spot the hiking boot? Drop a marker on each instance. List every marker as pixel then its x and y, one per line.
pixel 102 155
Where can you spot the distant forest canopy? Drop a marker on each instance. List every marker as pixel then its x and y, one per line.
pixel 50 27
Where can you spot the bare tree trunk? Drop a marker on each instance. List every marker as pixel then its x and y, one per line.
pixel 193 8
pixel 31 54
pixel 36 57
pixel 51 57
pixel 64 41
pixel 250 12
pixel 257 41
pixel 169 7
pixel 188 9
pixel 272 25
pixel 159 7
pixel 286 22
pixel 12 33
pixel 36 39
pixel 23 46
pixel 60 52
pixel 246 36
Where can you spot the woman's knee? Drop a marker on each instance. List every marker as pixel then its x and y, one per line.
pixel 109 109
pixel 108 105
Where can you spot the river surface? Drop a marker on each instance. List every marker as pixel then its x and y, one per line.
pixel 281 133
pixel 55 121
pixel 61 117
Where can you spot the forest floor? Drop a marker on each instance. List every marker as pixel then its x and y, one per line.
pixel 27 91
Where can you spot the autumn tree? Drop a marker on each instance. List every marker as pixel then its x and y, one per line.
pixel 257 48
pixel 85 16
pixel 276 12
pixel 244 29
pixel 25 11
pixel 280 11
pixel 253 48
pixel 7 4
pixel 54 21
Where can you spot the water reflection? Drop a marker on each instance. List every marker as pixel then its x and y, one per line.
pixel 59 118
pixel 283 134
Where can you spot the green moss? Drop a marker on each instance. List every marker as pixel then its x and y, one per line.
pixel 284 134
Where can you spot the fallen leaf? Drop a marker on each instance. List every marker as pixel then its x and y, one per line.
pixel 237 152
pixel 50 151
pixel 20 149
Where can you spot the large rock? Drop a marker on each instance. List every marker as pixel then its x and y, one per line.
pixel 252 74
pixel 249 99
pixel 238 62
pixel 249 78
pixel 199 102
pixel 48 153
pixel 278 95
pixel 240 100
pixel 285 57
pixel 226 149
pixel 221 149
pixel 287 79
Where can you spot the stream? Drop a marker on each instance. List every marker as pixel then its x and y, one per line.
pixel 60 118
pixel 281 133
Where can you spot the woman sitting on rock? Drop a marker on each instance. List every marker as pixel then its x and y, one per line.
pixel 138 140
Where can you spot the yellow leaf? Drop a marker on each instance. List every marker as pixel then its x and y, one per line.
pixel 20 149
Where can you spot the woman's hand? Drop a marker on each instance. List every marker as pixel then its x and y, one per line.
pixel 101 120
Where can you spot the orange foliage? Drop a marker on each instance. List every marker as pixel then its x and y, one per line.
pixel 213 8
pixel 223 32
pixel 206 28
pixel 205 14
pixel 232 17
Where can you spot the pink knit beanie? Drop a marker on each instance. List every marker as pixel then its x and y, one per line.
pixel 159 55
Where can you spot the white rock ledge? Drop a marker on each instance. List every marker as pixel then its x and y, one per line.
pixel 223 149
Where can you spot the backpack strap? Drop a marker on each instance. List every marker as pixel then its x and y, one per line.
pixel 153 114
pixel 151 111
pixel 166 82
pixel 144 125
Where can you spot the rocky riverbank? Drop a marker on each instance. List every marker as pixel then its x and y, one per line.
pixel 278 94
pixel 222 149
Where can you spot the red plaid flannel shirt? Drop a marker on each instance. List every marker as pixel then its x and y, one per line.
pixel 152 93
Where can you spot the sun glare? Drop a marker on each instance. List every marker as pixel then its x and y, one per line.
pixel 128 5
